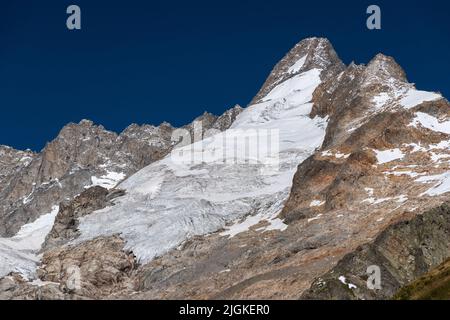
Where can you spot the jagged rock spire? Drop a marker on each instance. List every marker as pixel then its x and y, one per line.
pixel 383 68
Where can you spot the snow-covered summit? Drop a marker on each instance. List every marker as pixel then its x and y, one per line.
pixel 176 198
pixel 308 54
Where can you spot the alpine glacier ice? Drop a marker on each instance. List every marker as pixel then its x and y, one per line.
pixel 173 199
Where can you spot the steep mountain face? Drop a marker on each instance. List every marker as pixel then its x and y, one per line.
pixel 373 139
pixel 309 54
pixel 348 160
pixel 404 252
pixel 209 121
pixel 200 188
pixel 12 161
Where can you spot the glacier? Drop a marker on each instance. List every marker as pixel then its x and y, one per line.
pixel 176 198
pixel 201 188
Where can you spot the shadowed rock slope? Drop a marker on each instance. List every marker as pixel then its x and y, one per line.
pixel 404 252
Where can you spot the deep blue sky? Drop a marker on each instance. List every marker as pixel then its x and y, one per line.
pixel 148 61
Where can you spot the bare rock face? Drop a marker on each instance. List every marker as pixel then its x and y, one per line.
pixel 248 266
pixel 365 117
pixel 349 100
pixel 342 180
pixel 350 183
pixel 93 269
pixel 404 252
pixel 14 287
pixel 225 121
pixel 12 161
pixel 208 121
pixel 142 145
pixel 66 221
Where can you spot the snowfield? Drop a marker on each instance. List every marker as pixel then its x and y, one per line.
pixel 415 97
pixel 20 253
pixel 229 186
pixel 403 94
pixel 298 65
pixel 389 155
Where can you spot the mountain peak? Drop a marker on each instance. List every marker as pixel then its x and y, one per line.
pixel 86 122
pixel 82 130
pixel 310 53
pixel 385 67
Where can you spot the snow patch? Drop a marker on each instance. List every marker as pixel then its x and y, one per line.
pixel 430 122
pixel 301 82
pixel 369 191
pixel 316 203
pixel 442 186
pixel 388 155
pixel 108 181
pixel 402 198
pixel 338 155
pixel 373 200
pixel 381 99
pixel 409 173
pixel 315 218
pixel 20 253
pixel 415 97
pixel 250 221
pixel 436 157
pixel 298 65
pixel 344 281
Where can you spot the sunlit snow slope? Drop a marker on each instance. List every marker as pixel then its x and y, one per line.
pixel 174 199
pixel 20 253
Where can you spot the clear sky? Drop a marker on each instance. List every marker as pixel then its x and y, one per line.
pixel 142 61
